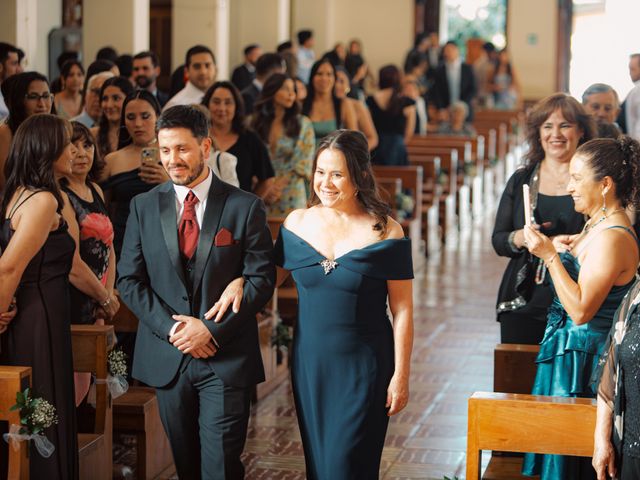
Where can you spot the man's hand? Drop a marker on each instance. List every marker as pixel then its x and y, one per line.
pixel 231 295
pixel 193 338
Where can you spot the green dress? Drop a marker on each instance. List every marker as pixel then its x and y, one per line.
pixel 569 354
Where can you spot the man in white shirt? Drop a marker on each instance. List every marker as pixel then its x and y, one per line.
pixel 194 246
pixel 200 67
pixel 306 55
pixel 9 65
pixel 632 102
pixel 601 102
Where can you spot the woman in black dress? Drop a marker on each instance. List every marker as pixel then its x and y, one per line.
pixel 36 259
pixel 556 126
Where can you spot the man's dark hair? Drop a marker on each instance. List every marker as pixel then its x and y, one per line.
pixel 125 65
pixel 452 42
pixel 21 54
pixel 267 63
pixel 304 35
pixel 249 48
pixel 64 57
pixel 190 117
pixel 5 50
pixel 284 46
pixel 107 53
pixel 155 61
pixel 196 49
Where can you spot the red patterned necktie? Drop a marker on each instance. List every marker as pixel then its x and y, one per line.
pixel 188 230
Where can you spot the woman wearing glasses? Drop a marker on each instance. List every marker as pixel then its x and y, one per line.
pixel 26 94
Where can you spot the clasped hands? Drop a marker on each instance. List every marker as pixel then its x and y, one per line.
pixel 192 335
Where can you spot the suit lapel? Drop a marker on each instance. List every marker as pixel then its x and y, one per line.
pixel 169 222
pixel 212 214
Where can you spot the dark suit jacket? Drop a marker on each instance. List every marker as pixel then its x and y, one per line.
pixel 242 77
pixel 162 97
pixel 152 281
pixel 440 93
pixel 250 95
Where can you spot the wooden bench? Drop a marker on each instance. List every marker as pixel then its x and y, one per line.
pixel 411 178
pixel 514 367
pixel 12 381
pixel 91 345
pixel 136 413
pixel 526 423
pixel 389 189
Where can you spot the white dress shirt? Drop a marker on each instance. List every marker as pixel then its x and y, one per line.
pixel 453 77
pixel 189 95
pixel 632 109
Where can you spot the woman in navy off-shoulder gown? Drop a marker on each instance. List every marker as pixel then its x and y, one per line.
pixel 350 366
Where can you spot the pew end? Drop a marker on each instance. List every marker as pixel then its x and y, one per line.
pixel 12 381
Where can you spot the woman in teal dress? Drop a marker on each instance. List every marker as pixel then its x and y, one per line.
pixel 350 368
pixel 291 142
pixel 591 272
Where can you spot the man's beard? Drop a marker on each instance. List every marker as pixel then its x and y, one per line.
pixel 195 174
pixel 143 81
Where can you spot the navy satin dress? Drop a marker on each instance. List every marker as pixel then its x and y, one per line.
pixel 343 354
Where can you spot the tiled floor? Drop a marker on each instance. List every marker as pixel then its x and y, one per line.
pixel 455 333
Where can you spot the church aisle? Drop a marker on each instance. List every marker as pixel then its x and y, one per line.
pixel 455 333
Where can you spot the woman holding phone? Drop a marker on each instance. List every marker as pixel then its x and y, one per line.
pixel 556 126
pixel 134 168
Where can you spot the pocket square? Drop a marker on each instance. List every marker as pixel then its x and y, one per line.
pixel 224 238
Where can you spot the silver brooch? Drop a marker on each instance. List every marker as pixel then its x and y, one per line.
pixel 328 265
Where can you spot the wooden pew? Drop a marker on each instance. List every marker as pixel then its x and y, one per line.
pixel 12 381
pixel 514 367
pixel 526 423
pixel 389 189
pixel 91 345
pixel 411 178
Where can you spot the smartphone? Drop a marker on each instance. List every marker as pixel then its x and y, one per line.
pixel 527 204
pixel 150 156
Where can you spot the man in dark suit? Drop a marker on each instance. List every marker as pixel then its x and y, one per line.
pixel 453 81
pixel 267 65
pixel 193 246
pixel 145 72
pixel 244 74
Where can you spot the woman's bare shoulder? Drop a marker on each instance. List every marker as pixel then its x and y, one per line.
pixel 394 230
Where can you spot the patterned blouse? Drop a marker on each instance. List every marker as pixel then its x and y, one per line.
pixel 292 159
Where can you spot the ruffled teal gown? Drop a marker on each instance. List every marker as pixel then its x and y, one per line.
pixel 342 358
pixel 568 355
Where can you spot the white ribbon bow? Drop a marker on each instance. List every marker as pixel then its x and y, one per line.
pixel 42 443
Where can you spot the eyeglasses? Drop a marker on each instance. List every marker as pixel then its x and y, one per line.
pixel 45 97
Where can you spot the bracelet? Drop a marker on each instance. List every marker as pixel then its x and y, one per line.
pixel 549 262
pixel 512 244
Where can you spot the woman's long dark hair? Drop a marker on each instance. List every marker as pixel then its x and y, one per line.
pixel 16 88
pixel 265 110
pixel 124 136
pixel 103 125
pixel 37 144
pixel 80 132
pixel 389 77
pixel 237 122
pixel 311 92
pixel 353 145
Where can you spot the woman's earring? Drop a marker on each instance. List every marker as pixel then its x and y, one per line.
pixel 604 203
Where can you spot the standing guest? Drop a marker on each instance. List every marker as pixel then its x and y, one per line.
pixel 191 245
pixel 254 169
pixel 125 65
pixel 285 47
pixel 291 63
pixel 504 83
pixel 56 83
pixel 601 102
pixel 29 94
pixel 457 124
pixel 363 115
pixel 357 69
pixel 394 116
pixel 301 91
pixel 483 71
pixel 453 81
pixel 289 137
pixel 590 274
pixel 112 94
pixel 244 74
pixel 629 117
pixel 9 65
pixel 306 55
pixel 146 70
pixel 347 257
pixel 415 68
pixel 37 253
pixel 267 65
pixel 411 89
pixel 419 51
pixel 127 172
pixel 200 72
pixel 556 126
pixel 107 53
pixel 434 52
pixel 68 101
pixel 325 110
pixel 96 75
pixel 337 55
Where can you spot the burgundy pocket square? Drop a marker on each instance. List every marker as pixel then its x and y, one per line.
pixel 224 238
